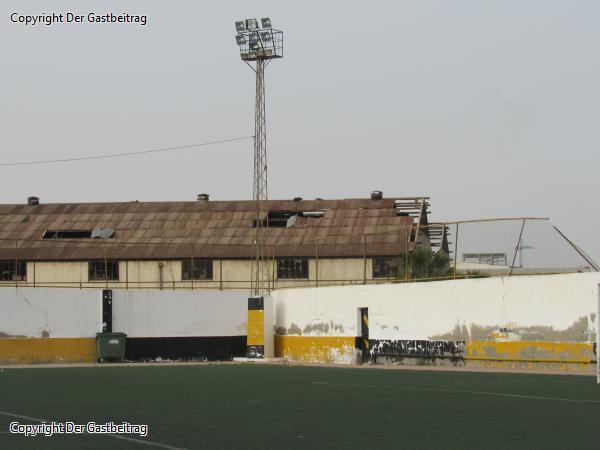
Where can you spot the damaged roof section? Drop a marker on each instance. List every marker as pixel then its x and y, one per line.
pixel 215 229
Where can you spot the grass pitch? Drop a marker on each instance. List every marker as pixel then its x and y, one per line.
pixel 271 407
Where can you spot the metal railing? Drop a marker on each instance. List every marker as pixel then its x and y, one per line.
pixel 418 236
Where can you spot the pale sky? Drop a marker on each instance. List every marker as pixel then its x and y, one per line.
pixel 490 108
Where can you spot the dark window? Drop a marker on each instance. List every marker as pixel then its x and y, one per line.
pixel 13 271
pixel 67 234
pixel 276 219
pixel 292 268
pixel 197 269
pixel 281 219
pixel 388 266
pixel 100 270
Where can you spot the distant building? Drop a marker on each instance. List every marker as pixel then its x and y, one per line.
pixel 492 259
pixel 211 244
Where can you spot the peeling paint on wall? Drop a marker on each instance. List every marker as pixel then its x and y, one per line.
pixel 329 349
pixel 426 351
pixel 581 330
pixel 531 351
pixel 294 330
pixel 324 328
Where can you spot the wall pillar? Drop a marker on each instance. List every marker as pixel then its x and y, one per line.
pixel 259 341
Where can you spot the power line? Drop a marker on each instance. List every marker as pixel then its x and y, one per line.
pixel 119 155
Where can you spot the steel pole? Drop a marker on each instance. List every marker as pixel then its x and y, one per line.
pixel 260 174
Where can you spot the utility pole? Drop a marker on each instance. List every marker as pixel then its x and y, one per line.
pixel 522 247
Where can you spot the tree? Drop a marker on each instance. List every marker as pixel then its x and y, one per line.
pixel 423 263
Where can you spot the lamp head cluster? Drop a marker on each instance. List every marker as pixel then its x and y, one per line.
pixel 258 41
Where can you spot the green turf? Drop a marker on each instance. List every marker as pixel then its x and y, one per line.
pixel 272 407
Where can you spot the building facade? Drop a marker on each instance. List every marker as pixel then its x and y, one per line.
pixel 211 244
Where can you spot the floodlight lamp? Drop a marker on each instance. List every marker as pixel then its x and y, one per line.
pixel 266 22
pixel 254 38
pixel 266 36
pixel 251 24
pixel 240 39
pixel 240 26
pixel 255 46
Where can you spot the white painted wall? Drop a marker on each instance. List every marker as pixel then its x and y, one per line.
pixel 423 310
pixel 396 311
pixel 61 313
pixel 68 312
pixel 153 313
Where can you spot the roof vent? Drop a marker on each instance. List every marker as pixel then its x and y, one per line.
pixel 203 197
pixel 297 199
pixel 102 233
pixel 33 201
pixel 376 195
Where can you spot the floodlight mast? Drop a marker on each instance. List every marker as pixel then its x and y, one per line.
pixel 259 46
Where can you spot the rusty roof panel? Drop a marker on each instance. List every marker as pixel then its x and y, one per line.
pixel 222 229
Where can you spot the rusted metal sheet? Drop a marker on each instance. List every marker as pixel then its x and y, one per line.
pixel 202 229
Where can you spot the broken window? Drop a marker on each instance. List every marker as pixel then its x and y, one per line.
pixel 388 266
pixel 197 269
pixel 292 268
pixel 103 270
pixel 96 233
pixel 13 270
pixel 67 234
pixel 285 219
pixel 276 219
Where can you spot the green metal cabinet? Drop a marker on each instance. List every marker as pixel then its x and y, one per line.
pixel 110 346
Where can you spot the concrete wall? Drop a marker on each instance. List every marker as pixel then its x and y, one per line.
pixel 152 313
pixel 48 325
pixel 526 321
pixel 50 313
pixel 518 319
pixel 60 324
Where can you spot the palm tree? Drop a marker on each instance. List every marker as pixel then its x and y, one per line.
pixel 423 263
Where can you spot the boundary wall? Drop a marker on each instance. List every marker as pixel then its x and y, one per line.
pixel 546 321
pixel 60 325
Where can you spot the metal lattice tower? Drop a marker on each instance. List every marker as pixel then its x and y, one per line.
pixel 259 46
pixel 260 191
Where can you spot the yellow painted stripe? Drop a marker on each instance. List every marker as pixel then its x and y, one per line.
pixel 256 327
pixel 530 351
pixel 316 348
pixel 47 350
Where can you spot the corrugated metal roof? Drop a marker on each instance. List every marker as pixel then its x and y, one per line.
pixel 151 230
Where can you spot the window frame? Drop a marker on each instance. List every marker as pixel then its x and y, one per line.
pixel 192 273
pixel 390 271
pixel 18 271
pixel 291 273
pixel 106 275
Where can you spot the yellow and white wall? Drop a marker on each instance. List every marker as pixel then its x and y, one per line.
pixel 60 325
pixel 49 325
pixel 525 321
pixel 546 321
